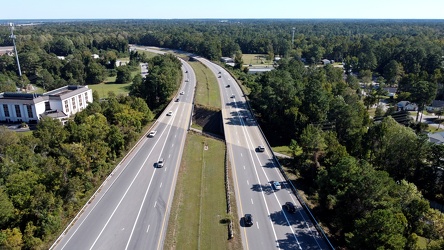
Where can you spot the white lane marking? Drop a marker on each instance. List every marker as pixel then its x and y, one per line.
pixel 242 155
pixel 160 185
pixel 148 229
pixel 155 203
pixel 169 156
pixel 250 143
pixel 244 167
pixel 118 204
pixel 248 183
pixel 257 224
pixel 172 145
pixel 252 201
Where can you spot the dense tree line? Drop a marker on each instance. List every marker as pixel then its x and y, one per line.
pixel 364 174
pixel 46 177
pixel 161 82
pixel 367 175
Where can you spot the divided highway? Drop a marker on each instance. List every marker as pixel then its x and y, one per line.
pixel 273 226
pixel 131 209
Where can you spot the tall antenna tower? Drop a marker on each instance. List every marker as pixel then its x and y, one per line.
pixel 11 25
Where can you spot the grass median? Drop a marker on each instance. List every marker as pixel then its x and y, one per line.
pixel 199 206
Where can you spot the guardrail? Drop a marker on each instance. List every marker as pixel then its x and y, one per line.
pixel 294 189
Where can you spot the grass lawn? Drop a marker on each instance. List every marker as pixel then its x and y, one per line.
pixel 282 149
pixel 256 59
pixel 104 88
pixel 207 90
pixel 199 202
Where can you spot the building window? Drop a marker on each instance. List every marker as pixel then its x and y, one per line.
pixel 86 97
pixel 80 101
pixel 17 111
pixel 29 109
pixel 66 106
pixel 47 106
pixel 73 101
pixel 6 109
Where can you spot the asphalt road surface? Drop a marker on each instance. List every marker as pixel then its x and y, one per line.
pixel 131 209
pixel 273 227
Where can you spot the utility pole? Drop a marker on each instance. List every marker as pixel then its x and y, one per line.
pixel 11 25
pixel 292 37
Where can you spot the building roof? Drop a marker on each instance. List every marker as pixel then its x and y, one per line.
pixel 6 50
pixel 437 104
pixel 437 137
pixel 66 91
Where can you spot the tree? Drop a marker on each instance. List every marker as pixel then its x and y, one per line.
pixel 393 72
pixel 238 62
pixel 313 143
pixel 6 208
pixel 422 93
pixel 380 229
pixel 123 74
pixel 95 73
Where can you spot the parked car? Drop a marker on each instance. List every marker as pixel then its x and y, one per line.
pixel 248 220
pixel 290 207
pixel 152 133
pixel 276 185
pixel 160 163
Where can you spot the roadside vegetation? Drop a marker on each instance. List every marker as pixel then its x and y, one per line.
pixel 382 173
pixel 199 217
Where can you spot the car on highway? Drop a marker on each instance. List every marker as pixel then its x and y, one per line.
pixel 160 163
pixel 220 76
pixel 170 113
pixel 228 86
pixel 290 207
pixel 232 96
pixel 181 93
pixel 152 133
pixel 187 80
pixel 260 148
pixel 186 71
pixel 177 99
pixel 248 220
pixel 276 185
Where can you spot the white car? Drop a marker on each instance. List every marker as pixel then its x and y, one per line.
pixel 152 133
pixel 170 113
pixel 276 185
pixel 181 93
pixel 160 163
pixel 232 96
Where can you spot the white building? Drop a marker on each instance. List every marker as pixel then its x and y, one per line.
pixel 58 104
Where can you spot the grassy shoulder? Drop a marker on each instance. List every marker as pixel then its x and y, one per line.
pixel 207 89
pixel 199 206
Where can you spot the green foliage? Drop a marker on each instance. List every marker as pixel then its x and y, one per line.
pixel 123 74
pixel 164 78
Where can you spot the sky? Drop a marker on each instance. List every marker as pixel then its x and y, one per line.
pixel 222 9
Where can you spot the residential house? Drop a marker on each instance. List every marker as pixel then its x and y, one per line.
pixel 407 106
pixel 436 105
pixel 7 50
pixel 437 137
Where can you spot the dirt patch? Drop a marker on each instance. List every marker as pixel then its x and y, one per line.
pixel 209 119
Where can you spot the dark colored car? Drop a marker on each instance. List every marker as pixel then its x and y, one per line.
pixel 290 207
pixel 260 148
pixel 248 220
